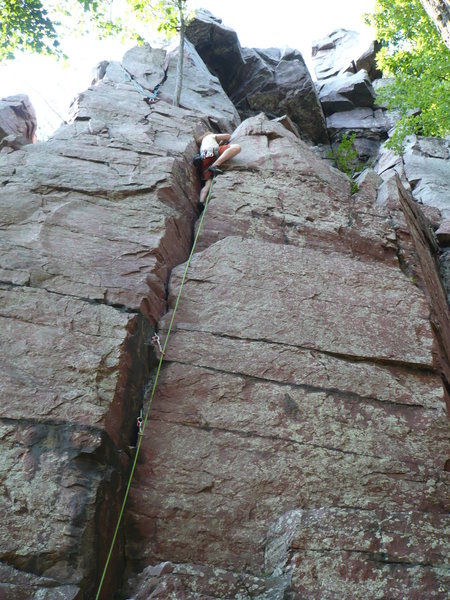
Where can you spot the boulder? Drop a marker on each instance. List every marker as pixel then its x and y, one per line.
pixel 427 168
pixel 345 92
pixel 218 45
pixel 18 122
pixel 278 82
pixel 268 80
pixel 344 51
pixel 370 127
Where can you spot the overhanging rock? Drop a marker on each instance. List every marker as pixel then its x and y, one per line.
pixel 260 80
pixel 218 45
pixel 346 92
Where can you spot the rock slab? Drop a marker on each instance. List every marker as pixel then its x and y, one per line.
pixel 92 223
pixel 297 442
pixel 301 376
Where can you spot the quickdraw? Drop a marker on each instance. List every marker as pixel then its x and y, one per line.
pixel 157 341
pixel 149 98
pixel 140 422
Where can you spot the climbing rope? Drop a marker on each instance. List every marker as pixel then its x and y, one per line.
pixel 143 422
pixel 150 98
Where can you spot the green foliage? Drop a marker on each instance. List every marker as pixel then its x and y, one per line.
pixel 414 54
pixel 90 17
pixel 170 17
pixel 167 15
pixel 345 156
pixel 28 25
pixel 25 25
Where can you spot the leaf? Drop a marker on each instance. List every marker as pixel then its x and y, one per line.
pixel 414 54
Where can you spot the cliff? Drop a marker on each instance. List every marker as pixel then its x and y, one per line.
pixel 297 440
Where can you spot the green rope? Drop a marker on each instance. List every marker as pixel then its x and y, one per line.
pixel 140 437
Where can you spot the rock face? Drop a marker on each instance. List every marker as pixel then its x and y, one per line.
pixel 425 170
pixel 218 45
pixel 92 222
pixel 344 51
pixel 17 123
pixel 201 90
pixel 345 70
pixel 348 100
pixel 297 441
pixel 269 80
pixel 299 426
pixel 278 82
pixel 424 166
pixel 346 92
pixel 370 127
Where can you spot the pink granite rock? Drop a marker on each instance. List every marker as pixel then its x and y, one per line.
pixel 298 436
pixel 302 374
pixel 443 233
pixel 92 223
pixel 17 122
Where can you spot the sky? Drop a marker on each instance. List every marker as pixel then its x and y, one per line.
pixel 52 85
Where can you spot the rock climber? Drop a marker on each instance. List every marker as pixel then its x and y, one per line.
pixel 214 151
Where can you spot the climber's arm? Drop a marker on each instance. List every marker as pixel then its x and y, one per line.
pixel 222 137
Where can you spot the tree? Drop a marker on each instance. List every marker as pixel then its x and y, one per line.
pixel 171 18
pixel 439 13
pixel 345 157
pixel 413 53
pixel 182 25
pixel 30 25
pixel 27 25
